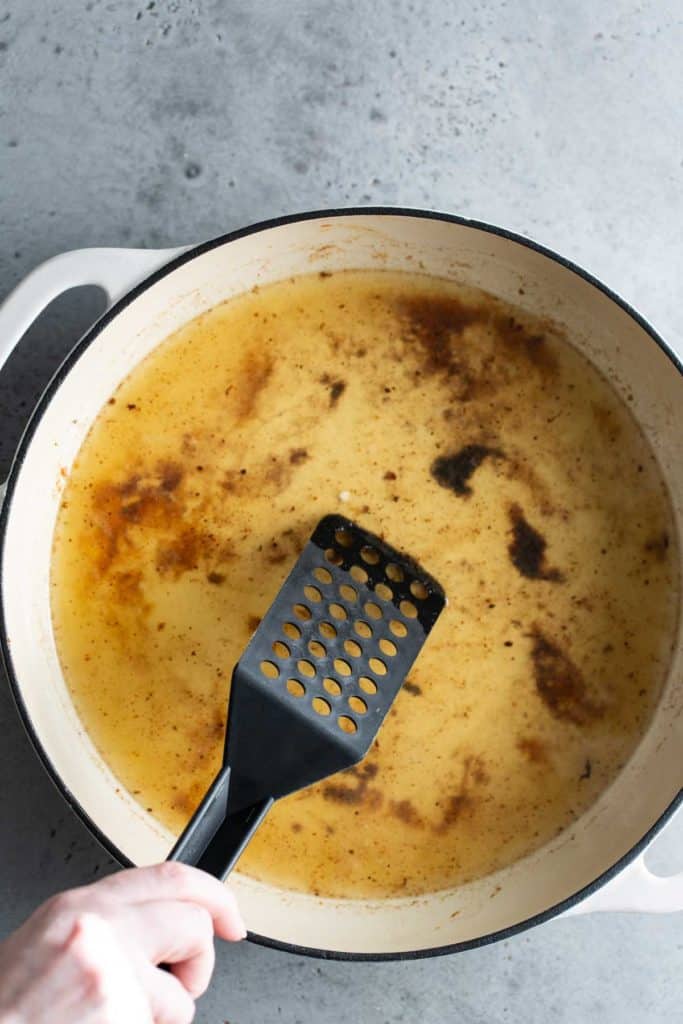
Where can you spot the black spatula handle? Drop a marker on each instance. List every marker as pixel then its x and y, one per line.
pixel 215 840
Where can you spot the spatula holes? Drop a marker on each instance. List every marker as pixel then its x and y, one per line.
pixel 292 631
pixel 327 630
pixel 369 555
pixel 302 612
pixel 337 611
pixel 306 668
pixel 348 592
pixel 343 538
pixel 347 724
pixel 334 557
pixel 367 685
pixel 398 628
pixel 270 669
pixel 316 649
pixel 322 575
pixel 281 650
pixel 353 648
pixel 321 706
pixel 363 629
pixel 332 686
pixel 387 647
pixel 295 688
pixel 418 590
pixel 383 591
pixel 373 611
pixel 408 609
pixel 358 573
pixel 377 666
pixel 312 593
pixel 358 705
pixel 395 573
pixel 342 667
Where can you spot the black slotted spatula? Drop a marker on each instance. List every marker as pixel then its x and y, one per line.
pixel 314 683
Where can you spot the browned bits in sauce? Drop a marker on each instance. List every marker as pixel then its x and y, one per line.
pixel 454 471
pixel 406 812
pixel 560 684
pixel 336 388
pixel 360 792
pixel 658 546
pixel 474 776
pixel 434 328
pixel 181 554
pixel 530 345
pixel 298 455
pixel 257 368
pixel 118 508
pixel 533 749
pixel 432 369
pixel 527 550
pixel 433 323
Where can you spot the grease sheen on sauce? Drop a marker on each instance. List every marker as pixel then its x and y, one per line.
pixel 472 437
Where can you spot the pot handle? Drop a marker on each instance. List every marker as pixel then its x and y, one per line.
pixel 114 270
pixel 635 889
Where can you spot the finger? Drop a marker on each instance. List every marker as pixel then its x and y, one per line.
pixel 172 932
pixel 174 881
pixel 171 1003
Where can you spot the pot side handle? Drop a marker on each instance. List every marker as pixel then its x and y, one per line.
pixel 114 270
pixel 635 889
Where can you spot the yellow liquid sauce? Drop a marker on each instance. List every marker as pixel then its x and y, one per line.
pixel 478 441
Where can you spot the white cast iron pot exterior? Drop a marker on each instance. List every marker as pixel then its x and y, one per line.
pixel 595 865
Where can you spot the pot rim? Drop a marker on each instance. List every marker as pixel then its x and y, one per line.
pixel 24 445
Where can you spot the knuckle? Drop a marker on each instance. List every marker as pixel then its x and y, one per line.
pixel 63 903
pixel 94 982
pixel 175 874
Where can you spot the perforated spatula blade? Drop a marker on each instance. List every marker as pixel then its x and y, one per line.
pixel 315 681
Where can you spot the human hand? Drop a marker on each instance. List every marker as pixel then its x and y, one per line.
pixel 91 955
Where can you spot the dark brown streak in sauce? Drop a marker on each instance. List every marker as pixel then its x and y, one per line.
pixel 138 501
pixel 360 793
pixel 533 749
pixel 560 684
pixel 435 329
pixel 336 388
pixel 454 471
pixel 474 774
pixel 255 373
pixel 527 550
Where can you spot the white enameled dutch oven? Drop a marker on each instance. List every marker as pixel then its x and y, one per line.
pixel 595 865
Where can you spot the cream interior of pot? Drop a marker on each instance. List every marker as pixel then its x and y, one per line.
pixel 614 342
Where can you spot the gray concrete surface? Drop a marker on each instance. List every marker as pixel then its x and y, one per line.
pixel 143 123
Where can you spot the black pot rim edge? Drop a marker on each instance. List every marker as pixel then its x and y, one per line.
pixel 20 455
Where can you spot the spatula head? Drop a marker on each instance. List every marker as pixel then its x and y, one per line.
pixel 326 662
